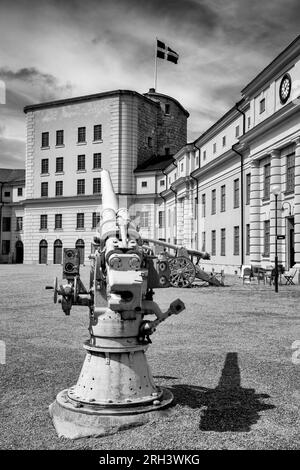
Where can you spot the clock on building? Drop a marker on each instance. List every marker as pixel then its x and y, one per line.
pixel 285 88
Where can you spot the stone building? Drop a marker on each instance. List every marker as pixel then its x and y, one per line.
pixel 12 195
pixel 69 142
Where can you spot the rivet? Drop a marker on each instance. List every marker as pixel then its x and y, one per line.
pixel 156 402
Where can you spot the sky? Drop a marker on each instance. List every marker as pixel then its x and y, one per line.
pixel 60 49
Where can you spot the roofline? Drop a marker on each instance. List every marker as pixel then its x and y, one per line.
pixel 79 99
pixel 280 55
pixel 169 97
pixel 217 123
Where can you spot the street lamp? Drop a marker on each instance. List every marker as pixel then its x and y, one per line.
pixel 275 189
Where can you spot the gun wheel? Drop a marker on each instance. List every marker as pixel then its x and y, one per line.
pixel 182 272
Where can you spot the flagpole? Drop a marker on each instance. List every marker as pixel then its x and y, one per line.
pixel 155 65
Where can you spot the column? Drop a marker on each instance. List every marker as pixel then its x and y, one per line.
pixel 275 179
pixel 255 201
pixel 297 205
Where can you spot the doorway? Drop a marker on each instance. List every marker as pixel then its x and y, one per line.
pixel 80 246
pixel 43 252
pixel 19 252
pixel 57 252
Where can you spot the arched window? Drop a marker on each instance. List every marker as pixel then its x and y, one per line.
pixel 57 252
pixel 43 252
pixel 80 246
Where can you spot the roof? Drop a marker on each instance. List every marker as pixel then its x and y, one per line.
pixel 78 99
pixel 8 175
pixel 155 163
pixel 152 93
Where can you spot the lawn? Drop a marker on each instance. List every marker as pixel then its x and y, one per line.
pixel 227 359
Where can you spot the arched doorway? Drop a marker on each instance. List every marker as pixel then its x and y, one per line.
pixel 80 245
pixel 19 252
pixel 57 252
pixel 43 253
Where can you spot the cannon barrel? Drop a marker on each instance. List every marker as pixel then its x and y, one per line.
pixel 177 247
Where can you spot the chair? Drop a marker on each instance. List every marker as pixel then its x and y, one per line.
pixel 289 277
pixel 247 275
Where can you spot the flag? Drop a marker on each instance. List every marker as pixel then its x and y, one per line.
pixel 164 52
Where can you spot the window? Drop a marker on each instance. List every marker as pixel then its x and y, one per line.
pixel 43 222
pixel 80 162
pixel 249 122
pixel 161 219
pixel 247 239
pixel 6 224
pixel 248 187
pixel 5 247
pixel 236 240
pixel 59 137
pixel 266 238
pixel 98 132
pixel 44 166
pixel 237 131
pixel 19 224
pixel 144 184
pixel 58 188
pixel 20 191
pixel 80 187
pixel 181 167
pixel 96 185
pixel 236 193
pixel 204 154
pixel 290 173
pixel 203 205
pixel 6 193
pixel 81 134
pixel 203 249
pixel 45 139
pixel 167 108
pixel 96 161
pixel 149 141
pixel 267 180
pixel 262 106
pixel 223 198
pixel 58 221
pixel 214 148
pixel 213 201
pixel 162 182
pixel 59 165
pixel 80 220
pixel 224 140
pixel 213 243
pixel 95 219
pixel 144 219
pixel 44 189
pixel 223 241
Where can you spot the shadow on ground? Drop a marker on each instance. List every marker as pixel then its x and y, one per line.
pixel 228 407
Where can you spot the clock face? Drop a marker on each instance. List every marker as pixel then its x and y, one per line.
pixel 285 88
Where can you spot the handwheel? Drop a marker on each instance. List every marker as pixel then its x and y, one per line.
pixel 55 290
pixel 182 272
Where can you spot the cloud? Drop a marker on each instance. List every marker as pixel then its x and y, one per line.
pixel 12 153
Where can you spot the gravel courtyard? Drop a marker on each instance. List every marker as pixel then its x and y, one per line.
pixel 227 359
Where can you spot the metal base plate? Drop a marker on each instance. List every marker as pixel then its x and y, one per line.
pixel 73 422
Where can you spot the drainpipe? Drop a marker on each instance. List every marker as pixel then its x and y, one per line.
pixel 242 181
pixel 175 209
pixel 196 199
pixel 165 203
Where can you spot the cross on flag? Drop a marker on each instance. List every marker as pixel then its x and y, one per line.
pixel 164 52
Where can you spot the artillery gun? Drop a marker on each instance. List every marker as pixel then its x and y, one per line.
pixel 182 268
pixel 115 388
